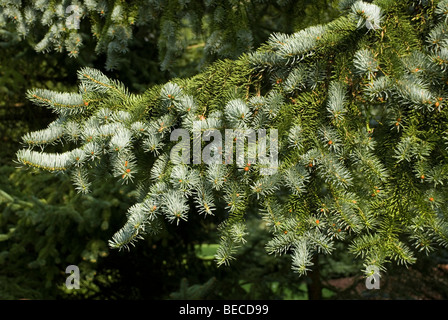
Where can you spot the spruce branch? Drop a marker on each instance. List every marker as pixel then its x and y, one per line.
pixel 205 202
pixel 134 229
pixel 337 101
pixel 62 103
pixel 368 15
pixel 361 138
pixel 81 180
pixel 174 206
pixel 365 63
pixel 44 137
pixel 301 258
pixel 52 162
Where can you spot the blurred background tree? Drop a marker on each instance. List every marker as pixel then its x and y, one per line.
pixel 45 225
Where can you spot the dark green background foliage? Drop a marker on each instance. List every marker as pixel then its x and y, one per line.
pixel 45 225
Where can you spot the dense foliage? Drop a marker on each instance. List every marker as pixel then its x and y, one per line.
pixel 30 238
pixel 359 107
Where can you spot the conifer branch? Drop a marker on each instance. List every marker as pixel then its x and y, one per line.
pixel 361 139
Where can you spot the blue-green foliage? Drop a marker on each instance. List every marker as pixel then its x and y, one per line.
pixel 349 164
